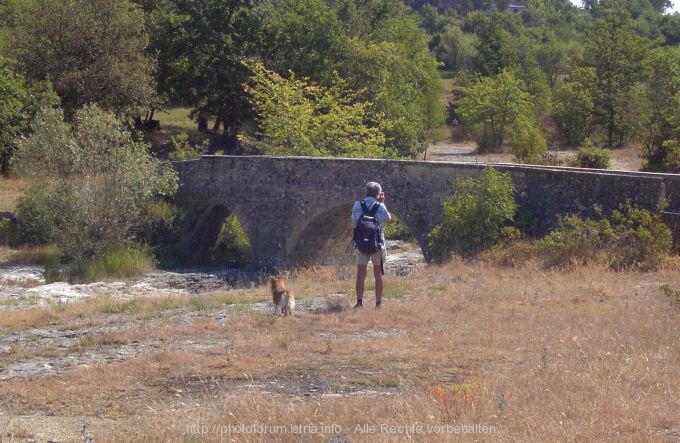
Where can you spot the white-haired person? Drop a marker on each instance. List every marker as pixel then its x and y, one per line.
pixel 374 196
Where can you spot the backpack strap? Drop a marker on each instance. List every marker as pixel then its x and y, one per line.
pixel 372 211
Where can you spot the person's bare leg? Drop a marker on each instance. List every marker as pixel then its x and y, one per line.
pixel 361 277
pixel 378 284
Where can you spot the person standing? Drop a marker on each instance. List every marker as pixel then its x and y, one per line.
pixel 374 196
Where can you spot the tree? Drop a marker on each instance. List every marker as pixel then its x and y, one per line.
pixel 300 118
pixel 456 49
pixel 617 54
pixel 20 102
pixel 495 44
pixel 200 45
pixel 303 36
pixel 492 106
pixel 573 106
pixel 662 89
pixel 373 50
pixel 90 183
pixel 527 141
pixel 91 50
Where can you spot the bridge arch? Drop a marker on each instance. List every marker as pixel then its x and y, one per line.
pixel 284 203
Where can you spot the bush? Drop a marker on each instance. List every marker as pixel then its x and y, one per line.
pixel 575 241
pixel 91 185
pixel 397 230
pixel 183 150
pixel 590 156
pixel 641 239
pixel 631 238
pixel 473 219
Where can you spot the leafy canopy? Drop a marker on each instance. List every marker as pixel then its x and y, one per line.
pixel 297 117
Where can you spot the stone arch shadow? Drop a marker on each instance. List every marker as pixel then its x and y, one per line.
pixel 195 239
pixel 327 239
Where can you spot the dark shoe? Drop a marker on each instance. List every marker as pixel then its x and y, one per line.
pixel 359 304
pixel 378 304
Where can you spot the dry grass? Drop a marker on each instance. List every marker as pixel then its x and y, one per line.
pixel 10 190
pixel 584 355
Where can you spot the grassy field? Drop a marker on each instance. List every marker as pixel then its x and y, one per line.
pixel 462 352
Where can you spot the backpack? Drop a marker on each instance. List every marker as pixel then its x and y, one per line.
pixel 367 230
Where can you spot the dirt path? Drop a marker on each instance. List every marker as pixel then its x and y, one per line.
pixel 627 159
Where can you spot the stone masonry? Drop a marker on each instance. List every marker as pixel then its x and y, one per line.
pixel 296 210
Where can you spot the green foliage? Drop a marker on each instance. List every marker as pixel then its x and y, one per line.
pixel 474 218
pixel 527 142
pixel 576 241
pixel 641 239
pixel 573 106
pixel 396 229
pixel 457 49
pixel 183 150
pixel 200 45
pixel 617 53
pixel 496 46
pixel 661 141
pixel 91 183
pixel 117 263
pixel 9 233
pixel 233 245
pixel 491 106
pixel 196 232
pixel 299 118
pixel 20 102
pixel 365 52
pixel 631 238
pixel 91 50
pixel 590 156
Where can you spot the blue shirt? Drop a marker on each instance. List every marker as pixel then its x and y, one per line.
pixel 382 215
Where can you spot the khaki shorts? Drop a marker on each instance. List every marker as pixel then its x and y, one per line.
pixel 363 259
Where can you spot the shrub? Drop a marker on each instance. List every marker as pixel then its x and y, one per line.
pixel 91 184
pixel 641 239
pixel 527 142
pixel 575 241
pixel 590 156
pixel 472 220
pixel 183 150
pixel 397 230
pixel 631 238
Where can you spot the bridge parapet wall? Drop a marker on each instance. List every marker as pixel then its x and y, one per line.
pixel 283 202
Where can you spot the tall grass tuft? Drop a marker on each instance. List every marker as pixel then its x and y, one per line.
pixel 122 263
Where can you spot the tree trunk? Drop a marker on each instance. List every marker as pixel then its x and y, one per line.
pixel 202 122
pixel 218 122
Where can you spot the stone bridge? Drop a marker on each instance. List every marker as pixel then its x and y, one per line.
pixel 296 210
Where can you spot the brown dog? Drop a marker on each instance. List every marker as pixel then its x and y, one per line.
pixel 284 301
